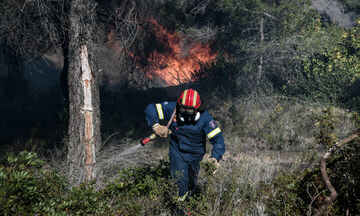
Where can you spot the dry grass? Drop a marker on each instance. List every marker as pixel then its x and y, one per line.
pixel 274 123
pixel 250 170
pixel 124 153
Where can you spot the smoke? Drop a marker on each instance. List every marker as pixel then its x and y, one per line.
pixel 335 11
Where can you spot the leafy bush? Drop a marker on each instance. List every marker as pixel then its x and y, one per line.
pixel 331 73
pixel 326 123
pixel 84 199
pixel 283 196
pixel 26 188
pixel 302 192
pixel 142 191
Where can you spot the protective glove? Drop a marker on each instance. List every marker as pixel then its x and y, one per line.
pixel 161 130
pixel 216 163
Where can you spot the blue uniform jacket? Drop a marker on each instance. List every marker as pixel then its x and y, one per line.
pixel 188 141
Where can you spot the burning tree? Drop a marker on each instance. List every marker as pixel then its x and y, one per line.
pixel 177 63
pixel 170 57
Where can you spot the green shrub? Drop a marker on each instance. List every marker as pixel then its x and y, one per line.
pixel 84 200
pixel 332 73
pixel 285 195
pixel 302 192
pixel 326 123
pixel 26 188
pixel 142 191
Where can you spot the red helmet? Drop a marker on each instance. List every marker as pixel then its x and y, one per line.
pixel 190 98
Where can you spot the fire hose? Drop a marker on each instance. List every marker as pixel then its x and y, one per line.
pixel 153 136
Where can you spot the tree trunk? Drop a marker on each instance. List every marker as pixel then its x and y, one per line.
pixel 84 104
pixel 261 61
pixel 64 73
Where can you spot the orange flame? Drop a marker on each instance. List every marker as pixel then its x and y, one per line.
pixel 177 66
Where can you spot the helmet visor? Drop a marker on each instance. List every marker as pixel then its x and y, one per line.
pixel 186 110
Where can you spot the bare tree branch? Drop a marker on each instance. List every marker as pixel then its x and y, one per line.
pixel 329 199
pixel 257 12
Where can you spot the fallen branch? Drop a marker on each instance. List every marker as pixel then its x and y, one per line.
pixel 333 193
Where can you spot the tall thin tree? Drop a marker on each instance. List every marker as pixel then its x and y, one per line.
pixel 83 80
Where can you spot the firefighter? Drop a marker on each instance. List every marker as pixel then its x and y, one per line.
pixel 188 131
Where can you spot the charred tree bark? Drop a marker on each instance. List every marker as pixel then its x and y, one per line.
pixel 84 103
pixel 333 193
pixel 64 72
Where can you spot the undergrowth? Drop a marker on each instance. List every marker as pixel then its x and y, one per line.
pixel 26 187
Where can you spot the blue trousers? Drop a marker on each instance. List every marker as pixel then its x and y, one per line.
pixel 185 174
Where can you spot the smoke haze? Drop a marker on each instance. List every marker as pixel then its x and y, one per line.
pixel 335 11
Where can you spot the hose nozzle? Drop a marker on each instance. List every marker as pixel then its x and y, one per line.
pixel 147 139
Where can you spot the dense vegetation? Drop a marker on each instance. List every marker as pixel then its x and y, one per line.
pixel 27 187
pixel 285 86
